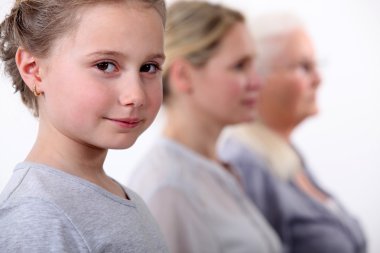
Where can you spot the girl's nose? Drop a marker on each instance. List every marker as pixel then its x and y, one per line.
pixel 132 92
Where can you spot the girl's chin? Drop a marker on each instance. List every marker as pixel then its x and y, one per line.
pixel 121 146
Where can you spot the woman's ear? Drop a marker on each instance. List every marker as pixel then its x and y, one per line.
pixel 180 76
pixel 29 69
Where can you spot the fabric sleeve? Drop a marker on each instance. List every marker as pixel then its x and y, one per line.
pixel 35 226
pixel 182 221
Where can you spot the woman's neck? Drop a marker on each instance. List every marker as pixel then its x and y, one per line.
pixel 283 129
pixel 195 132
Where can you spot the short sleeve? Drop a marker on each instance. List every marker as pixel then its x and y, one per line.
pixel 34 226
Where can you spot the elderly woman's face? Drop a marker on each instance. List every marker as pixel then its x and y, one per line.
pixel 292 83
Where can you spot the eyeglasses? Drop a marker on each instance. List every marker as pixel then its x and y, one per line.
pixel 303 67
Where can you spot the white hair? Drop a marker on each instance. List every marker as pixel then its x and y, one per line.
pixel 270 32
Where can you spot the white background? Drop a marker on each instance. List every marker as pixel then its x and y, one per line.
pixel 341 144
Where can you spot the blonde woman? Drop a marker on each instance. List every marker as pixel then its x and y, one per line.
pixel 209 83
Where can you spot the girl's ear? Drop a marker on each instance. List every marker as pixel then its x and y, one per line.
pixel 29 69
pixel 180 76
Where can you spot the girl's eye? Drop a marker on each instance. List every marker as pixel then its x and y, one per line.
pixel 107 67
pixel 150 68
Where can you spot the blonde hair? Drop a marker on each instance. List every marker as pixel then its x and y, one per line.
pixel 194 31
pixel 36 24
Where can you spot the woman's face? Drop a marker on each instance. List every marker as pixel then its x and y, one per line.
pixel 289 90
pixel 102 84
pixel 225 89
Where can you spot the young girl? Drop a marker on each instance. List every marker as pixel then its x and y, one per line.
pixel 209 83
pixel 90 70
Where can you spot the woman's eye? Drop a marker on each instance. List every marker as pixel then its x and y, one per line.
pixel 150 68
pixel 306 67
pixel 107 67
pixel 241 65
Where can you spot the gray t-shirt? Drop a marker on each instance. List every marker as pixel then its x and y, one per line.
pixel 46 210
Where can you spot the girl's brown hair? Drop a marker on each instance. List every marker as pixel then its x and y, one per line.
pixel 36 24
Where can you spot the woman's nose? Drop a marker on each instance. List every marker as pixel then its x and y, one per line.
pixel 316 78
pixel 254 80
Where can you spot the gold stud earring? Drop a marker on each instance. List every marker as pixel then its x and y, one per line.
pixel 35 92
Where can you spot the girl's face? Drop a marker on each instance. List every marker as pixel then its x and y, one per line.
pixel 102 83
pixel 225 89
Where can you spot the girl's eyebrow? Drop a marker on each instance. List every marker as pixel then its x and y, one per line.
pixel 106 53
pixel 159 57
pixel 109 53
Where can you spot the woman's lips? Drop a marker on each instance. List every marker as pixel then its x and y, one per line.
pixel 249 102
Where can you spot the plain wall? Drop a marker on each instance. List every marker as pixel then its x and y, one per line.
pixel 341 144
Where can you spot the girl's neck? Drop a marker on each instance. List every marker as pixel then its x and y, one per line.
pixel 67 154
pixel 84 162
pixel 74 158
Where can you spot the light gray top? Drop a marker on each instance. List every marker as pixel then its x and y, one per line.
pixel 46 210
pixel 199 206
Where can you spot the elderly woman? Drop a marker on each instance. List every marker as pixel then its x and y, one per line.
pixel 306 217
